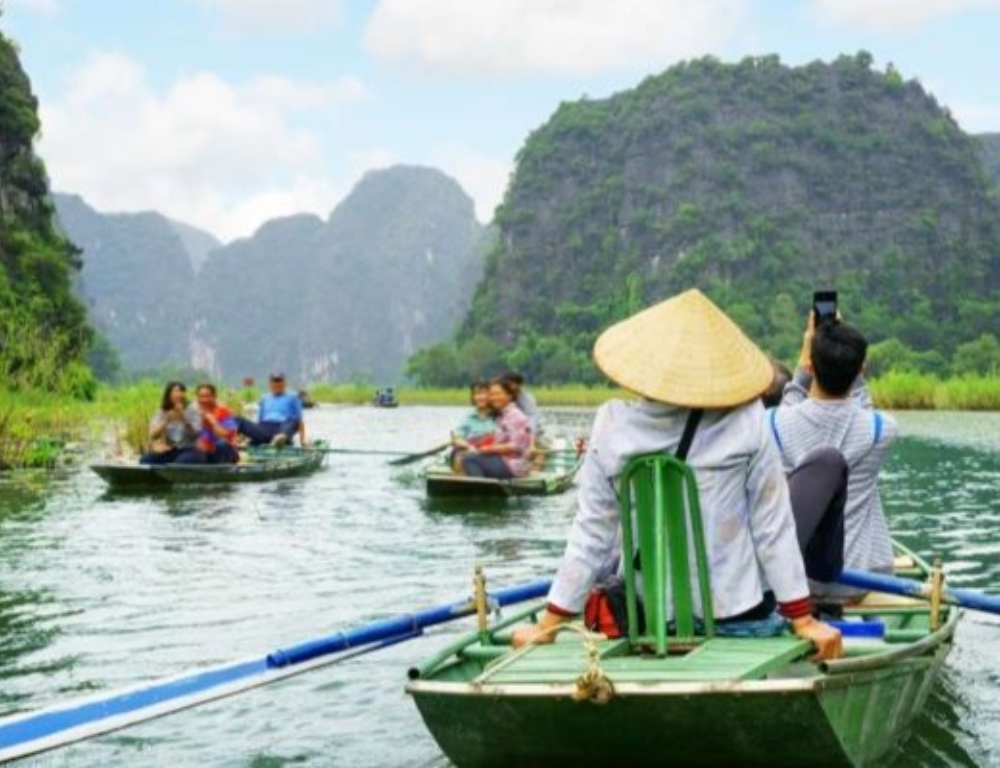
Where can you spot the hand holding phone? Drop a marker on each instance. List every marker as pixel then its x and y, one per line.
pixel 824 307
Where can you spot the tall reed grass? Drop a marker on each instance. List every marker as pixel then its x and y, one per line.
pixel 566 395
pixel 916 391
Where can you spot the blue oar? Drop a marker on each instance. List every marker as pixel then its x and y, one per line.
pixel 62 724
pixel 893 585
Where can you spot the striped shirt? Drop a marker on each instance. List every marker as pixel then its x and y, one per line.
pixel 864 436
pixel 514 428
pixel 749 528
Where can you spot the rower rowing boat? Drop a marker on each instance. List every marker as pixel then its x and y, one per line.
pixel 749 701
pixel 555 476
pixel 259 465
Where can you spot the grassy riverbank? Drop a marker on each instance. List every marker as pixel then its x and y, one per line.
pixel 893 391
pixel 913 391
pixel 35 427
pixel 564 395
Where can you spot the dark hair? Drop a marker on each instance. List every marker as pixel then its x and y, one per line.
pixel 505 383
pixel 838 355
pixel 477 385
pixel 512 377
pixel 210 387
pixel 165 402
pixel 772 395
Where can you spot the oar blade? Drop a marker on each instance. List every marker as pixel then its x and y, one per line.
pixel 415 457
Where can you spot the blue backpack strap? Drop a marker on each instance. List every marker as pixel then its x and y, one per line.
pixel 772 416
pixel 878 427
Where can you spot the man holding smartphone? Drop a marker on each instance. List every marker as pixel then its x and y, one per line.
pixel 826 408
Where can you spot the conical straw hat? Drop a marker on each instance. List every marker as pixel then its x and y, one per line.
pixel 684 351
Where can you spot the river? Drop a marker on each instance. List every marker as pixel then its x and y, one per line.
pixel 98 591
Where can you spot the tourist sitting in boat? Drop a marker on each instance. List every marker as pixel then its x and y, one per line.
pixel 827 406
pixel 218 428
pixel 279 416
pixel 478 428
pixel 509 454
pixel 524 400
pixel 173 431
pixel 773 394
pixel 696 373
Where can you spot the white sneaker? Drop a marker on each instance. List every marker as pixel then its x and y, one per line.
pixel 279 441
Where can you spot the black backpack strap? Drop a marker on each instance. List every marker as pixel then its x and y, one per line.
pixel 690 427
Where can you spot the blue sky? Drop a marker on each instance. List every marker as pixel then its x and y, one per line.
pixel 225 113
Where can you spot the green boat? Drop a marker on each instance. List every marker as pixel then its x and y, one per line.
pixel 683 694
pixel 554 477
pixel 258 465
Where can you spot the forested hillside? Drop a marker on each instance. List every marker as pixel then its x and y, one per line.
pixel 138 282
pixel 393 269
pixel 43 330
pixel 756 182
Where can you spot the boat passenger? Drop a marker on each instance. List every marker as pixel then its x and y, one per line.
pixel 827 406
pixel 686 357
pixel 509 455
pixel 279 416
pixel 773 394
pixel 525 401
pixel 173 431
pixel 218 428
pixel 478 428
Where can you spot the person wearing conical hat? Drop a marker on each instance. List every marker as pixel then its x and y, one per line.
pixel 680 356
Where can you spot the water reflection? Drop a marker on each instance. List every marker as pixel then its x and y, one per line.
pixel 102 591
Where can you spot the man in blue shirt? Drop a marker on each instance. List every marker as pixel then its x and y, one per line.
pixel 279 417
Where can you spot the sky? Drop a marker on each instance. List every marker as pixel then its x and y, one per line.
pixel 227 113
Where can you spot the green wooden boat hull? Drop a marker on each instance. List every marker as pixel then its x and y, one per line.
pixel 264 465
pixel 731 702
pixel 848 721
pixel 442 483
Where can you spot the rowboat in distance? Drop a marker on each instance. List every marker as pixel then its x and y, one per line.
pixel 728 701
pixel 555 475
pixel 257 465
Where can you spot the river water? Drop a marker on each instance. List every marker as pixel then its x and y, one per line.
pixel 98 591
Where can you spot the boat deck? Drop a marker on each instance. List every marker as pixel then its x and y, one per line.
pixel 715 660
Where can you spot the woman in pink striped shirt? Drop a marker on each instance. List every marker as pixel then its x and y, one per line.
pixel 509 455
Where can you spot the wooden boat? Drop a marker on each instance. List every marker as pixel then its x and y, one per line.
pixel 732 701
pixel 258 465
pixel 707 700
pixel 554 477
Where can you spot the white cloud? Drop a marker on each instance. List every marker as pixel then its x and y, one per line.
pixel 483 177
pixel 895 15
pixel 282 16
pixel 220 155
pixel 548 36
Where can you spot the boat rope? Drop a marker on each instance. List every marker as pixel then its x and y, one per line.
pixel 593 685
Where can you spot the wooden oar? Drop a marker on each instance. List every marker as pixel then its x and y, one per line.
pixel 362 452
pixel 413 457
pixel 893 585
pixel 56 726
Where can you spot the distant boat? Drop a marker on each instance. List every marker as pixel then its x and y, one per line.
pixel 260 465
pixel 385 398
pixel 555 476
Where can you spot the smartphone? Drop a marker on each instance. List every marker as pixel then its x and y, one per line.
pixel 825 306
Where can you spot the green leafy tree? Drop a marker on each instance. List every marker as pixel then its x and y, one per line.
pixel 980 356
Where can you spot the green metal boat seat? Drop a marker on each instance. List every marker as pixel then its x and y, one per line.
pixel 661 530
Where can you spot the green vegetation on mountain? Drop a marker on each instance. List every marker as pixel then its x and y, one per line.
pixel 44 335
pixel 390 271
pixel 758 183
pixel 138 282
